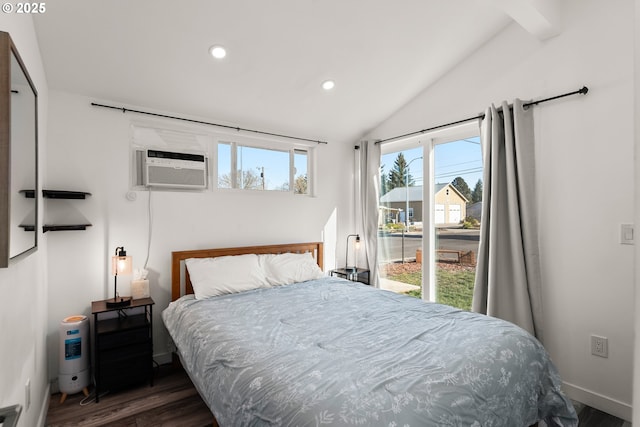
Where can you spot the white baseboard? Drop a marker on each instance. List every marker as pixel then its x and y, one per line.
pixel 42 418
pixel 603 403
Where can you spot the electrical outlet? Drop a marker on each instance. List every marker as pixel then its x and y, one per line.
pixel 627 236
pixel 27 394
pixel 599 346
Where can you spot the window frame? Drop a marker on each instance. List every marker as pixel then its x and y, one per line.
pixel 292 149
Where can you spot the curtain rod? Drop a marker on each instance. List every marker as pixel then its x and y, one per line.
pixel 125 110
pixel 583 91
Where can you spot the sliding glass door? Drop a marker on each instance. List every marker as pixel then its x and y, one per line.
pixel 457 200
pixel 430 216
pixel 401 225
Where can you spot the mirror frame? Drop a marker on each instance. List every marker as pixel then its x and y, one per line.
pixel 7 50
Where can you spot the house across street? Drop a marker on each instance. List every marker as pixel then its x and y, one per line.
pixel 450 205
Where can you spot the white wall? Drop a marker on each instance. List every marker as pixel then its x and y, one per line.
pixel 23 286
pixel 585 178
pixel 586 170
pixel 89 151
pixel 636 80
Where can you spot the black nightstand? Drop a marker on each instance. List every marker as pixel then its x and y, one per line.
pixel 354 274
pixel 123 345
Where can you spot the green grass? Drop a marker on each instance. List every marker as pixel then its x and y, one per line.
pixel 454 288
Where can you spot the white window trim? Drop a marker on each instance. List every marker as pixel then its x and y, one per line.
pixel 266 144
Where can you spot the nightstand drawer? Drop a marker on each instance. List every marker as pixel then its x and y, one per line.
pixel 124 373
pixel 124 338
pixel 136 351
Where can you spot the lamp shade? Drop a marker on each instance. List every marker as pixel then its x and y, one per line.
pixel 121 263
pixel 357 246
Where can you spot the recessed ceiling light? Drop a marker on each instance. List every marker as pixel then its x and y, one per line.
pixel 328 84
pixel 218 51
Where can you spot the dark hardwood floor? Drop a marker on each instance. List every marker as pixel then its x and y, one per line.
pixel 590 417
pixel 173 401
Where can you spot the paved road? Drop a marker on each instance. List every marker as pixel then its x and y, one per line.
pixel 451 239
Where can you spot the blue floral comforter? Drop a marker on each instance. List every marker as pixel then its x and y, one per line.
pixel 338 353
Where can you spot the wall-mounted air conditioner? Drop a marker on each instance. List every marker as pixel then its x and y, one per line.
pixel 171 169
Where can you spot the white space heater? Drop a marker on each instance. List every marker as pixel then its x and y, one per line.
pixel 74 372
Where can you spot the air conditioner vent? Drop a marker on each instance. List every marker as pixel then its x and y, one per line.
pixel 171 169
pixel 175 156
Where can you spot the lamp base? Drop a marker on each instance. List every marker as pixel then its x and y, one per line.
pixel 118 302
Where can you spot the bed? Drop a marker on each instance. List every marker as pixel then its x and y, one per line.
pixel 327 351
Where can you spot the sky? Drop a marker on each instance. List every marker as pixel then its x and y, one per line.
pixel 458 158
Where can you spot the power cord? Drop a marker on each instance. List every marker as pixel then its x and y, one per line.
pixel 150 221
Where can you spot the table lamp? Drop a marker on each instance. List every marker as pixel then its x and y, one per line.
pixel 346 263
pixel 120 264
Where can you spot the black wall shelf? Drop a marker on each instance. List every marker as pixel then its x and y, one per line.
pixel 57 194
pixel 45 228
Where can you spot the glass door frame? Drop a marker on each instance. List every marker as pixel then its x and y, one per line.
pixel 429 140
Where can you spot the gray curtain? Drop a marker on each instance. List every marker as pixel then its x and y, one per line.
pixel 507 281
pixel 368 197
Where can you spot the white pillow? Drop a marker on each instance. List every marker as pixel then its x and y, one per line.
pixel 225 275
pixel 284 269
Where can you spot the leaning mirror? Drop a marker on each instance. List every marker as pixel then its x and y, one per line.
pixel 18 156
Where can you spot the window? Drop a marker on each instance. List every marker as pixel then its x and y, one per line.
pixel 300 172
pixel 247 167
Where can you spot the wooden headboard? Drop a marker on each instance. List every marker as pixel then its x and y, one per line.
pixel 178 257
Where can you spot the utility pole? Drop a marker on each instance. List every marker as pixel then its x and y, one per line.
pixel 261 169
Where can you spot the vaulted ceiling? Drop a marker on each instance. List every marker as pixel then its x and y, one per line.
pixel 155 54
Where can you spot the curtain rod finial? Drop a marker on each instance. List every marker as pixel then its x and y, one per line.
pixel 584 90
